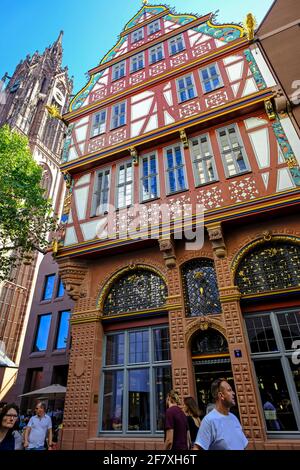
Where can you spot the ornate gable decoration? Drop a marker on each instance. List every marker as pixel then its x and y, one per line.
pixel 222 32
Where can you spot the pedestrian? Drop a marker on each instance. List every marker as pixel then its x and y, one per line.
pixel 8 427
pixel 177 435
pixel 37 429
pixel 192 412
pixel 220 429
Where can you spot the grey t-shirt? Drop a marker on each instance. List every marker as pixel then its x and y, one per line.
pixel 221 432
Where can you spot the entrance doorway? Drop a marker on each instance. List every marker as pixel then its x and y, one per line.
pixel 211 361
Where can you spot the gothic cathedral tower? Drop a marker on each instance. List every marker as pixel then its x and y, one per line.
pixel 37 81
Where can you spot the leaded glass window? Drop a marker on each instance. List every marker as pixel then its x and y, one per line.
pixel 185 88
pixel 233 151
pixel 174 163
pixel 271 338
pixel 139 290
pixel 200 288
pixel 273 266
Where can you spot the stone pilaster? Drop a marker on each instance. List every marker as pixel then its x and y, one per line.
pixel 81 404
pixel 243 374
pixel 181 372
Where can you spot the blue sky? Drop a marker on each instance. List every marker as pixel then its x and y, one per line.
pixel 91 27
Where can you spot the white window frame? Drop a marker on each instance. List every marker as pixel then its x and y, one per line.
pixel 98 206
pixel 97 129
pixel 155 29
pixel 154 50
pixel 176 38
pixel 125 184
pixel 200 159
pixel 142 177
pixel 113 115
pixel 231 150
pixel 203 81
pixel 137 58
pixel 139 33
pixel 116 68
pixel 168 191
pixel 193 86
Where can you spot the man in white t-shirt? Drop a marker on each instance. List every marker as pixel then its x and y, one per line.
pixel 220 429
pixel 37 429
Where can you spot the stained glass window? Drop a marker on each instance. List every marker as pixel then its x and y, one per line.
pixel 138 290
pixel 200 288
pixel 273 266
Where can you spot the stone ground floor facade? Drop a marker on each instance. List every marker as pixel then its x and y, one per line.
pixel 245 279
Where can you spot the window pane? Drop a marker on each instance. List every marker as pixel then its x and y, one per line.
pixel 296 375
pixel 138 400
pixel 42 334
pixel 278 411
pixel 290 327
pixel 261 335
pixel 161 344
pixel 63 330
pixel 163 384
pixel 138 347
pixel 60 290
pixel 49 286
pixel 113 401
pixel 114 349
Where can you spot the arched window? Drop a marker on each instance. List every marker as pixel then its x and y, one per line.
pixel 200 288
pixel 136 290
pixel 269 267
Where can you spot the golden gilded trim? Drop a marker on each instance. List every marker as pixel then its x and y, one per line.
pixel 210 356
pixel 166 308
pixel 263 239
pixel 118 274
pixel 226 25
pixel 271 292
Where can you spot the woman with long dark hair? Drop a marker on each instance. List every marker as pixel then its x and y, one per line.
pixel 193 416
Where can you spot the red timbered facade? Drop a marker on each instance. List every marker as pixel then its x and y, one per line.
pixel 177 236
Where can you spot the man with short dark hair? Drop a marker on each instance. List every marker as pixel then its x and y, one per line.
pixel 37 429
pixel 220 429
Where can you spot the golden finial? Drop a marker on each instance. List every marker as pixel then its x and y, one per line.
pixel 250 24
pixel 145 2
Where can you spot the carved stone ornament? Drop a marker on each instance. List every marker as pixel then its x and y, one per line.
pixel 134 155
pixel 167 247
pixel 72 273
pixel 184 139
pixel 79 366
pixel 280 102
pixel 217 240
